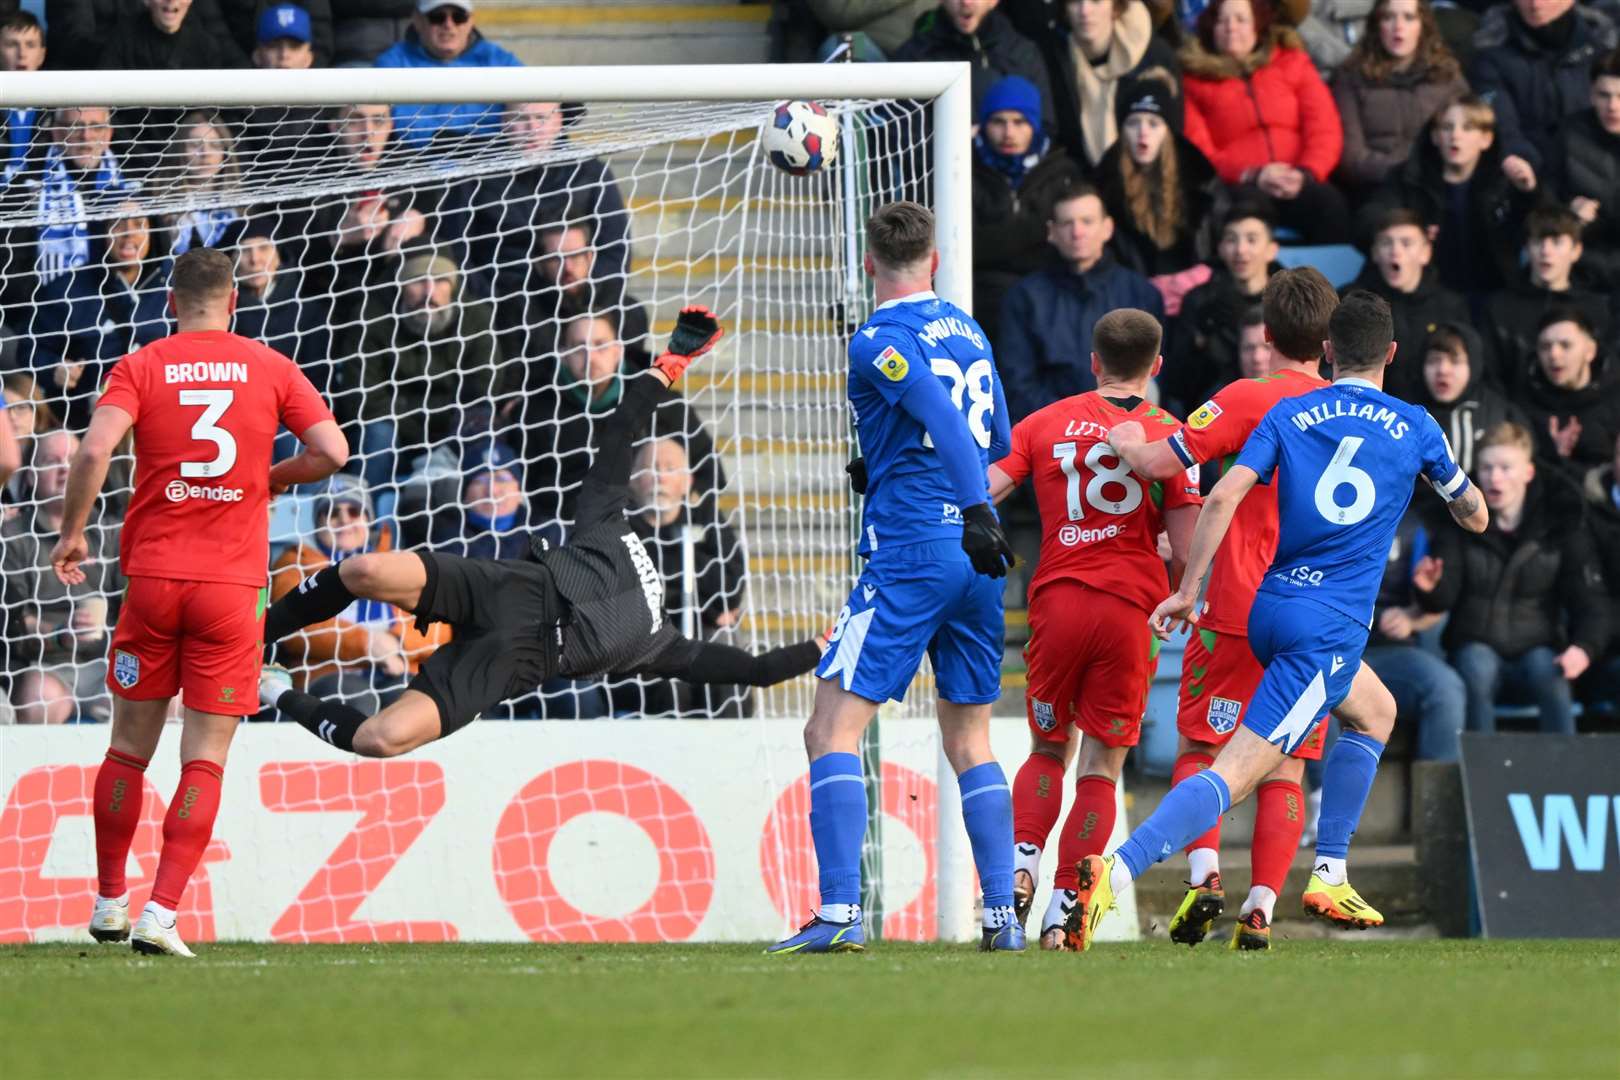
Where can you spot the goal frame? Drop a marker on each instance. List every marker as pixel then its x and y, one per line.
pixel 945 86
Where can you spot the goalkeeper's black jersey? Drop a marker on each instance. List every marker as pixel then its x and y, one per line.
pixel 614 599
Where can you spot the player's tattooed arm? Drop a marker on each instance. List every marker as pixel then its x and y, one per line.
pixel 1468 510
pixel 1154 460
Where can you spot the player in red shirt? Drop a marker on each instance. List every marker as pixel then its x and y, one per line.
pixel 1091 654
pixel 1219 673
pixel 205 406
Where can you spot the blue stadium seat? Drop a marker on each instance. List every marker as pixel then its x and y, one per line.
pixel 1156 753
pixel 1339 263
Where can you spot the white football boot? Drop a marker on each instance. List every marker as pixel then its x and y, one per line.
pixel 152 938
pixel 274 680
pixel 110 921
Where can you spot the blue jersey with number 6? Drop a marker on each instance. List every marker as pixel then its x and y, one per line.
pixel 1345 459
pixel 909 499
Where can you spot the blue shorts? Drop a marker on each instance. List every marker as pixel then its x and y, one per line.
pixel 911 599
pixel 1311 654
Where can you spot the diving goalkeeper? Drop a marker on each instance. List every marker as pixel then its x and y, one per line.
pixel 593 606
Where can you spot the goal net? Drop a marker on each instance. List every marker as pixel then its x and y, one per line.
pixel 467 285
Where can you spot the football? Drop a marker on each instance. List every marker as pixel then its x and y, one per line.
pixel 802 138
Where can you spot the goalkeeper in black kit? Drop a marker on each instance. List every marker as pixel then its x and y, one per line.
pixel 589 607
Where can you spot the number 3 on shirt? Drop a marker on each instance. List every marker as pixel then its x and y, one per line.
pixel 1101 476
pixel 207 429
pixel 976 384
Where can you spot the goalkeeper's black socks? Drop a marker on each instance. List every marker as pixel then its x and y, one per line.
pixel 318 597
pixel 331 720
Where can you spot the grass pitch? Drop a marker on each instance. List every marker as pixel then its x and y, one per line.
pixel 1311 1010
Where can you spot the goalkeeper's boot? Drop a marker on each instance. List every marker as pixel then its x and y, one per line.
pixel 1252 931
pixel 110 921
pixel 1339 905
pixel 1008 937
pixel 1023 895
pixel 274 680
pixel 1199 909
pixel 152 938
pixel 819 935
pixel 1094 898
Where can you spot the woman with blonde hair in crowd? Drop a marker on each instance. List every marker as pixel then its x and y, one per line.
pixel 200 164
pixel 1396 78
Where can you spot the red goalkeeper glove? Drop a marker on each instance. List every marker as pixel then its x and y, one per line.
pixel 696 331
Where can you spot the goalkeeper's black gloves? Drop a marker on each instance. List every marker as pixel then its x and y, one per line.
pixel 986 545
pixel 857 475
pixel 696 331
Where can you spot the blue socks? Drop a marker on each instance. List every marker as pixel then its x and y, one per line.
pixel 1347 778
pixel 838 825
pixel 1189 809
pixel 987 812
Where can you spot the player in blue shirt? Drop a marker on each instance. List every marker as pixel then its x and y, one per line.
pixel 931 416
pixel 1344 458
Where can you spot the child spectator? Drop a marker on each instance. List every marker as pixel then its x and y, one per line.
pixel 284 39
pixel 1552 249
pixel 1018 172
pixel 443 35
pixel 22 48
pixel 1159 188
pixel 1455 183
pixel 1107 42
pixel 163 35
pixel 1457 392
pixel 1533 61
pixel 1259 111
pixel 1514 588
pixel 1396 78
pixel 1399 271
pixel 1045 347
pixel 1584 172
pixel 200 164
pixel 974 31
pixel 1204 340
pixel 1570 396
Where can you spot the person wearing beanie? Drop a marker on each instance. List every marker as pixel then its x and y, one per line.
pixel 1017 174
pixel 492 519
pixel 1160 189
pixel 1106 41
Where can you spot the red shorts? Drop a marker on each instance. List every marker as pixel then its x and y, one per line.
pixel 201 636
pixel 1219 676
pixel 1091 659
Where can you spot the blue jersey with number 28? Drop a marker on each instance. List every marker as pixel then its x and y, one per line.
pixel 1345 459
pixel 909 499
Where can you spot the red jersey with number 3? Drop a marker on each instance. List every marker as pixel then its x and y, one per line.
pixel 1216 431
pixel 1100 522
pixel 206 405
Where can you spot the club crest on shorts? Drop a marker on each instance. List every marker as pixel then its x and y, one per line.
pixel 1045 715
pixel 1223 715
pixel 126 668
pixel 1203 416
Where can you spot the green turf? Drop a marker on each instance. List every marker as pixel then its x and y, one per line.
pixel 1311 1010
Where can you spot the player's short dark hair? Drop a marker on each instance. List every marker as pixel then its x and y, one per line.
pixel 1361 329
pixel 1297 305
pixel 202 272
pixel 1126 341
pixel 1566 313
pixel 21 20
pixel 1253 315
pixel 900 233
pixel 1545 221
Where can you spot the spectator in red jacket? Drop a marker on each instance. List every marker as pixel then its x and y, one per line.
pixel 1258 110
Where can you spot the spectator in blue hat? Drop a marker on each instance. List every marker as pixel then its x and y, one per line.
pixel 492 519
pixel 285 39
pixel 1018 172
pixel 443 35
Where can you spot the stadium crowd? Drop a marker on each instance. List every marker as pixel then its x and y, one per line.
pixel 1461 160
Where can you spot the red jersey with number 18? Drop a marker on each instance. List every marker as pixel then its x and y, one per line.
pixel 1216 431
pixel 206 406
pixel 1100 523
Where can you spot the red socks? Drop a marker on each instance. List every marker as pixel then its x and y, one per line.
pixel 1279 818
pixel 187 829
pixel 1037 794
pixel 1086 832
pixel 1188 764
pixel 120 791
